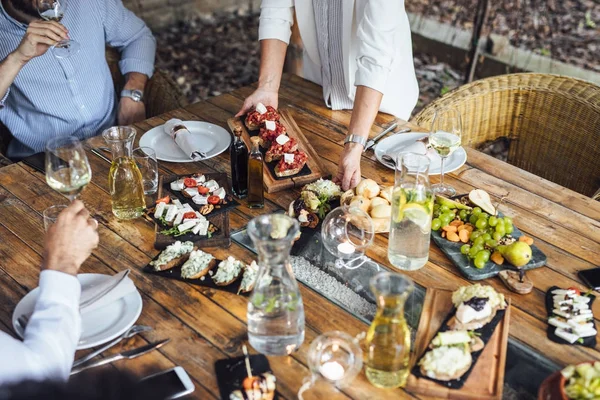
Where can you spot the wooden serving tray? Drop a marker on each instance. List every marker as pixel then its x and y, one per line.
pixel 486 380
pixel 272 183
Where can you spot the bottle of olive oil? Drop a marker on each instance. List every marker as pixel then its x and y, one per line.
pixel 256 197
pixel 238 156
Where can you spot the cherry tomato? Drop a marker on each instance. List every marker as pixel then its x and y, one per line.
pixel 214 200
pixel 165 200
pixel 189 215
pixel 203 190
pixel 189 182
pixel 577 291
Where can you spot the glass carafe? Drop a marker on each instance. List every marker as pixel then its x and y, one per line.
pixel 125 182
pixel 388 338
pixel 275 309
pixel 412 208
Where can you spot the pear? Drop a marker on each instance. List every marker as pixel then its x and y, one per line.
pixel 517 253
pixel 451 204
pixel 482 199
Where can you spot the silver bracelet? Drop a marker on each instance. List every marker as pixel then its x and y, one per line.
pixel 356 139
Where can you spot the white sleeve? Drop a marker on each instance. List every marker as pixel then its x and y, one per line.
pixel 377 35
pixel 276 20
pixel 51 335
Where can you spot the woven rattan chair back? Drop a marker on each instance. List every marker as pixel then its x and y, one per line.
pixel 552 122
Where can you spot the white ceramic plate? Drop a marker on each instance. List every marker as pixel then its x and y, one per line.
pixel 393 145
pixel 98 326
pixel 211 139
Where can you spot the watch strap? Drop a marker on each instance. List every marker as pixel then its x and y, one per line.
pixel 135 95
pixel 356 139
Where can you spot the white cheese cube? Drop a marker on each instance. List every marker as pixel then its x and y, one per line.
pixel 178 204
pixel 559 323
pixel 187 208
pixel 201 228
pixel 200 178
pixel 178 218
pixel 220 192
pixel 282 139
pixel 177 185
pixel 193 191
pixel 186 220
pixel 561 313
pixel 288 158
pixel 563 291
pixel 160 209
pixel 200 216
pixel 270 125
pixel 260 107
pixel 187 225
pixel 212 185
pixel 200 200
pixel 172 211
pixel 587 333
pixel 581 299
pixel 569 337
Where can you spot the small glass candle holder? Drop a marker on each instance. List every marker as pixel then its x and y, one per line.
pixel 334 359
pixel 347 232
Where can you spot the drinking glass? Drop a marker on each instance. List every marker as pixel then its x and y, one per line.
pixel 445 138
pixel 54 10
pixel 145 158
pixel 51 215
pixel 68 170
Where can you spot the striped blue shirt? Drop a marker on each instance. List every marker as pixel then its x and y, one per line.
pixel 72 96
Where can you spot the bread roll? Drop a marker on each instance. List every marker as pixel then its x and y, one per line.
pixel 347 197
pixel 377 201
pixel 382 211
pixel 381 225
pixel 386 193
pixel 367 188
pixel 361 202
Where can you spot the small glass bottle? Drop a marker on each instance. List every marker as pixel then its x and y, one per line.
pixel 238 154
pixel 256 196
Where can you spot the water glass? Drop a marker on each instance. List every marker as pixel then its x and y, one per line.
pixel 145 158
pixel 51 215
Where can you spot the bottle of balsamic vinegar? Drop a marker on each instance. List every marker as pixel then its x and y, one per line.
pixel 239 165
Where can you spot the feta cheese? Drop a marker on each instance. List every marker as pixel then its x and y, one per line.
pixel 282 139
pixel 260 107
pixel 270 125
pixel 568 336
pixel 220 192
pixel 178 203
pixel 160 209
pixel 193 191
pixel 201 228
pixel 288 158
pixel 187 208
pixel 200 200
pixel 178 218
pixel 199 178
pixel 172 211
pixel 173 251
pixel 466 314
pixel 212 185
pixel 187 225
pixel 177 185
pixel 228 270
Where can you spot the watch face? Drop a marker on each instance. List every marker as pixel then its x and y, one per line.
pixel 136 95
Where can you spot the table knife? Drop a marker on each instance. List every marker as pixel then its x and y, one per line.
pixel 126 355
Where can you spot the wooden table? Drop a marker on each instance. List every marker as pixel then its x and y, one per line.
pixel 207 325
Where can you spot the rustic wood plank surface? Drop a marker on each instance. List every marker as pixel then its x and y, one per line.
pixel 206 325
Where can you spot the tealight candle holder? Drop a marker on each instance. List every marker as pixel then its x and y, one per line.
pixel 347 232
pixel 335 358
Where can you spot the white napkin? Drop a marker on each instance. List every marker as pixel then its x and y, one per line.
pixel 184 139
pixel 124 288
pixel 420 148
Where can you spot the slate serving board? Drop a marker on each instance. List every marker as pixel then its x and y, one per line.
pixel 466 266
pixel 589 341
pixel 232 371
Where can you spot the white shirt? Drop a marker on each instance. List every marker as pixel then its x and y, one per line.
pixel 51 335
pixel 377 47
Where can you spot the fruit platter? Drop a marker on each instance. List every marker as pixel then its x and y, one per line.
pixel 479 240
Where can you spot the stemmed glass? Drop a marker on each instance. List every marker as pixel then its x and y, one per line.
pixel 54 10
pixel 445 138
pixel 68 170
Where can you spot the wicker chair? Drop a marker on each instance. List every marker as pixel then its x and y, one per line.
pixel 161 95
pixel 552 123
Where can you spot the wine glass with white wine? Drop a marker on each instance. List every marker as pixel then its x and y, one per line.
pixel 68 170
pixel 445 138
pixel 54 10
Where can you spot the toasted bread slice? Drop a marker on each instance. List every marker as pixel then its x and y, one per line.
pixel 251 124
pixel 175 262
pixel 288 172
pixel 275 152
pixel 446 377
pixel 205 271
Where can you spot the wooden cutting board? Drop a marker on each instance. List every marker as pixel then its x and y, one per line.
pixel 486 380
pixel 272 183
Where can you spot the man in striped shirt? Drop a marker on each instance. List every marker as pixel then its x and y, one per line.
pixel 42 96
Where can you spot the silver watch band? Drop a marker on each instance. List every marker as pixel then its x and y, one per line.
pixel 356 139
pixel 135 95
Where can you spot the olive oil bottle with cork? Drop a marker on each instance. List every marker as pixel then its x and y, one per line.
pixel 256 197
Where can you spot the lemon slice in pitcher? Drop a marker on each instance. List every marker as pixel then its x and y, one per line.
pixel 416 213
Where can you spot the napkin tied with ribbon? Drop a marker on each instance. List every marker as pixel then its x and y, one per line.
pixel 182 136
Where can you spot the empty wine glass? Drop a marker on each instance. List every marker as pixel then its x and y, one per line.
pixel 68 170
pixel 54 10
pixel 445 138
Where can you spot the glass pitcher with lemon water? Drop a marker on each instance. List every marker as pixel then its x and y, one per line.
pixel 412 208
pixel 125 182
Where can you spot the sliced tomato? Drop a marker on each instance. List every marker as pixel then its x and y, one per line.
pixel 203 189
pixel 165 200
pixel 577 291
pixel 214 200
pixel 189 215
pixel 189 182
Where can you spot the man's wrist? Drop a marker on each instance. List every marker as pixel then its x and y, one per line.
pixel 16 60
pixel 135 81
pixel 60 266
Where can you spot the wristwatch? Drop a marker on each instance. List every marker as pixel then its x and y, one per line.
pixel 356 139
pixel 135 95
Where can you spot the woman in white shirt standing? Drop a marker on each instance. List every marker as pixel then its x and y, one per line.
pixel 360 51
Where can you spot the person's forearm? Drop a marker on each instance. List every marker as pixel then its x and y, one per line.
pixel 272 58
pixel 366 107
pixel 135 81
pixel 9 69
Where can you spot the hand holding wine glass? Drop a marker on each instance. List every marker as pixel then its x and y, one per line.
pixel 68 170
pixel 445 138
pixel 54 10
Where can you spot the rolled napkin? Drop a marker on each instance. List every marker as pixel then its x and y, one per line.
pixel 180 134
pixel 123 288
pixel 419 147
